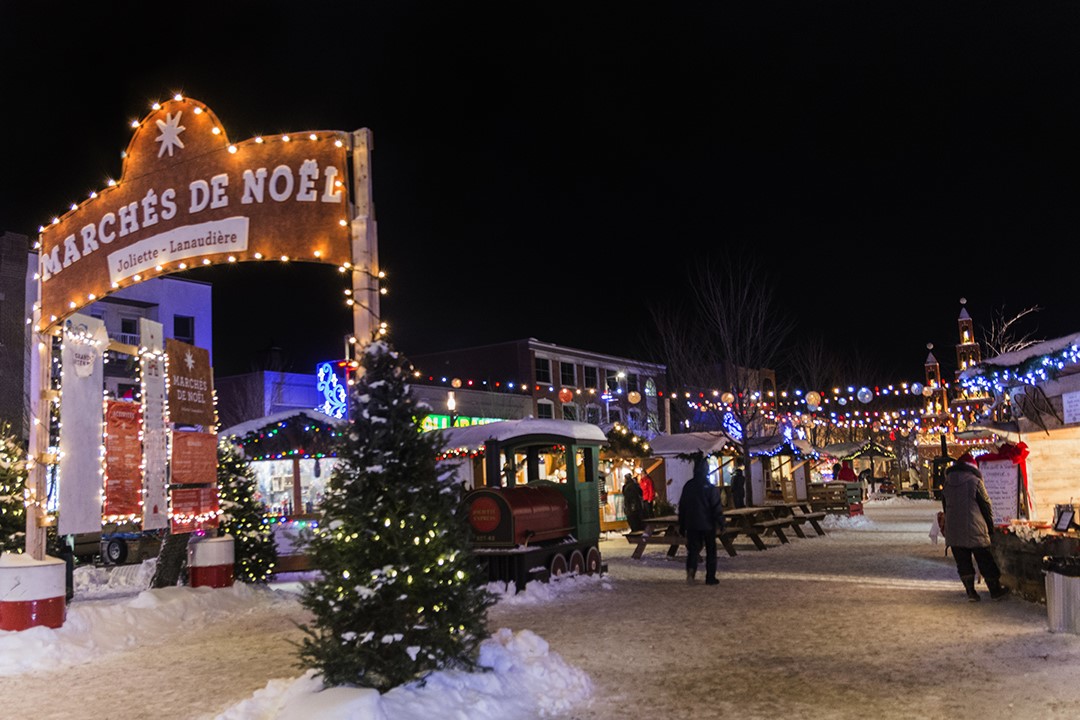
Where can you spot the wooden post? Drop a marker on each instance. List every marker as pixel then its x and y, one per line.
pixel 40 407
pixel 365 245
pixel 297 497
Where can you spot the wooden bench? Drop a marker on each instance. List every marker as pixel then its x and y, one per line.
pixel 775 526
pixel 643 538
pixel 814 518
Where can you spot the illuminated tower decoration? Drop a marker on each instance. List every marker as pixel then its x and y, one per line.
pixel 937 401
pixel 967 405
pixel 967 350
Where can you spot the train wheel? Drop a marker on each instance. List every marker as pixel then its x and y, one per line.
pixel 558 566
pixel 577 563
pixel 592 561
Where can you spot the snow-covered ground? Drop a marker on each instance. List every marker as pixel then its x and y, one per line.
pixel 868 621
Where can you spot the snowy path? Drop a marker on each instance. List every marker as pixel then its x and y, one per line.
pixel 869 621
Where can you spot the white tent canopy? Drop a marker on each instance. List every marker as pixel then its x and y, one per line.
pixel 473 437
pixel 242 429
pixel 707 443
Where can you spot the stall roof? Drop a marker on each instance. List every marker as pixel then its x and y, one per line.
pixel 268 421
pixel 707 443
pixel 772 445
pixel 850 451
pixel 473 437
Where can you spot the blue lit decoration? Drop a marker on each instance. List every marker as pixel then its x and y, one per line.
pixel 333 393
pixel 732 426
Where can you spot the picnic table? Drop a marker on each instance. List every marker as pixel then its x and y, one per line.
pixel 664 530
pixel 758 520
pixel 802 513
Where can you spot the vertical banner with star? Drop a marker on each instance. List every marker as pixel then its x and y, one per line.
pixel 155 431
pixel 82 416
pixel 191 384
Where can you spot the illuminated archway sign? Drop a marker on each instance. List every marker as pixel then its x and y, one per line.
pixel 189 197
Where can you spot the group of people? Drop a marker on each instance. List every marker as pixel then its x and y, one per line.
pixel 968 523
pixel 638 499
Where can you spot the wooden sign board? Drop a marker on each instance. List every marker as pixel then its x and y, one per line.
pixel 187 197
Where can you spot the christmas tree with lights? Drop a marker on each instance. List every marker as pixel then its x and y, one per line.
pixel 400 593
pixel 244 518
pixel 12 485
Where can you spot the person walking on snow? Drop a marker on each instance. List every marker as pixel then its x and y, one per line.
pixel 633 506
pixel 969 521
pixel 701 516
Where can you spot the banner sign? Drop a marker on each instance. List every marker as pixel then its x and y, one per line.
pixel 188 196
pixel 1002 480
pixel 191 384
pixel 123 461
pixel 194 458
pixel 194 509
pixel 82 416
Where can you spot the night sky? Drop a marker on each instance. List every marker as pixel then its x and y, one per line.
pixel 552 170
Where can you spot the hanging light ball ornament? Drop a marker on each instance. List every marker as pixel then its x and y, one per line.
pixel 813 400
pixel 864 395
pixel 456 383
pixel 727 398
pixel 927 392
pixel 842 401
pixel 566 395
pixel 634 397
pixel 916 388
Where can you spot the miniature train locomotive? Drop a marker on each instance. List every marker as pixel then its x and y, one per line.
pixel 540 529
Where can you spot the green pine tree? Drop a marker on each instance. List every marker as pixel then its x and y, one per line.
pixel 400 593
pixel 243 517
pixel 12 485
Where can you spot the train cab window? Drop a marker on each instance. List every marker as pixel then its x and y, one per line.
pixel 568 374
pixel 569 412
pixel 543 370
pixel 545 409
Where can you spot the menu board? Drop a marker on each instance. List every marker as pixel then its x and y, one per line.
pixel 1070 405
pixel 123 459
pixel 1002 480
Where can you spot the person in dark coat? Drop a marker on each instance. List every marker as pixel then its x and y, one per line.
pixel 738 487
pixel 633 505
pixel 968 523
pixel 701 516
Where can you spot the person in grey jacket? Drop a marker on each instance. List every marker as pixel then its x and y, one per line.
pixel 969 521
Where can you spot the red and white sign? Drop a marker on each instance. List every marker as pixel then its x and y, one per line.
pixel 194 509
pixel 123 460
pixel 194 458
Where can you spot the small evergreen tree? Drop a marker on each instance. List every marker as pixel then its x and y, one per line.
pixel 400 593
pixel 12 485
pixel 243 517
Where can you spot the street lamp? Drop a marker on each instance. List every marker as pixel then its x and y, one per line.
pixel 451 406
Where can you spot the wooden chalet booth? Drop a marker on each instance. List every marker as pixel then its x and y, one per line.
pixel 1033 477
pixel 780 470
pixel 677 453
pixel 292 456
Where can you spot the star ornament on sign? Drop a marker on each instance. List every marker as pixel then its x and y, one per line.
pixel 189 360
pixel 170 129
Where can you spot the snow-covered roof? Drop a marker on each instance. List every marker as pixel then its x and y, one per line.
pixel 473 437
pixel 773 444
pixel 688 443
pixel 851 450
pixel 1018 357
pixel 242 429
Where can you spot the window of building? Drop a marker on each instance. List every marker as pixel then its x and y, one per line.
pixel 570 412
pixel 592 377
pixel 631 382
pixel 568 374
pixel 634 420
pixel 184 328
pixel 593 414
pixel 129 330
pixel 545 409
pixel 614 415
pixel 543 370
pixel 611 380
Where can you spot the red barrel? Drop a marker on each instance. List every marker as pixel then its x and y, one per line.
pixel 519 515
pixel 32 592
pixel 210 562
